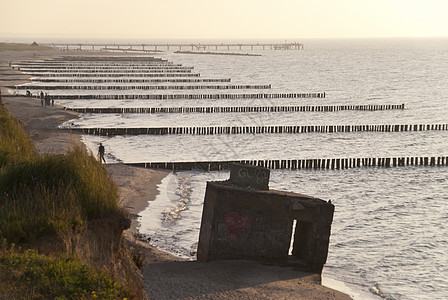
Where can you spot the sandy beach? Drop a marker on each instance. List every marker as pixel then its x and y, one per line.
pixel 165 276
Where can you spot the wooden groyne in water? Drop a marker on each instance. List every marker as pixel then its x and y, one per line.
pixel 106 64
pixel 297 164
pixel 145 87
pixel 129 80
pixel 57 68
pixel 196 96
pixel 110 58
pixel 236 109
pixel 116 74
pixel 260 129
pixel 103 71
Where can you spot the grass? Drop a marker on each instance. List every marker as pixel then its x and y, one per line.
pixel 44 195
pixel 15 144
pixel 22 47
pixel 29 275
pixel 54 194
pixel 48 194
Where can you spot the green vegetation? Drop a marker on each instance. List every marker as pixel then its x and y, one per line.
pixel 54 194
pixel 50 194
pixel 22 47
pixel 28 275
pixel 41 195
pixel 137 256
pixel 15 144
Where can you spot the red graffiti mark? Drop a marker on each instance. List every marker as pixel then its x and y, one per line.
pixel 236 225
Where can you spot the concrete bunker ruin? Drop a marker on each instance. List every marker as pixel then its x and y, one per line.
pixel 243 219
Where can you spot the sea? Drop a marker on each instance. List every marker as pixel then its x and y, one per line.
pixel 389 237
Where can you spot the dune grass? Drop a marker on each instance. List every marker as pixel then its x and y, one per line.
pixel 15 144
pixel 48 194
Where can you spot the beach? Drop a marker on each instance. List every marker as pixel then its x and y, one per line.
pixel 165 276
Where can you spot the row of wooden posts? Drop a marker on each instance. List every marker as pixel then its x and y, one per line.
pixel 235 109
pixel 125 67
pixel 102 71
pixel 89 59
pixel 145 87
pixel 57 64
pixel 117 74
pixel 196 96
pixel 131 80
pixel 56 68
pixel 294 164
pixel 260 129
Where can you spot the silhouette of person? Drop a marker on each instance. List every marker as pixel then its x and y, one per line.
pixel 101 152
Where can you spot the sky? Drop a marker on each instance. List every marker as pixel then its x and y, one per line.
pixel 223 19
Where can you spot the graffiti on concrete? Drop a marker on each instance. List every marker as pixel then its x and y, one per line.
pixel 236 225
pixel 260 176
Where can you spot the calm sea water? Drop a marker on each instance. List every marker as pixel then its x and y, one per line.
pixel 389 235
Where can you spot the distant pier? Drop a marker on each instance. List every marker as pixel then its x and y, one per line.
pixel 155 47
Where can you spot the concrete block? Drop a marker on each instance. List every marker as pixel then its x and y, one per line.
pixel 250 176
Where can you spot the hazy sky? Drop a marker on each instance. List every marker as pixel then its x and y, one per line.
pixel 223 19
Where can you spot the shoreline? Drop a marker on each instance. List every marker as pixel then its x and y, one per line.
pixel 164 275
pixel 137 187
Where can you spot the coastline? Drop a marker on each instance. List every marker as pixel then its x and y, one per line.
pixel 164 275
pixel 137 186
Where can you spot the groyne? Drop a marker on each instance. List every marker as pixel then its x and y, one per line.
pixel 195 96
pixel 92 64
pixel 86 64
pixel 129 80
pixel 236 109
pixel 88 72
pixel 106 74
pixel 77 68
pixel 111 58
pixel 145 87
pixel 296 164
pixel 210 130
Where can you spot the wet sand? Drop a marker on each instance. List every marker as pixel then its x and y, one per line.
pixel 165 276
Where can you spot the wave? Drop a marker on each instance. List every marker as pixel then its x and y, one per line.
pixel 183 192
pixel 375 289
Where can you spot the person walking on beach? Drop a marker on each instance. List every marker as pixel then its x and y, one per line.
pixel 101 153
pixel 47 99
pixel 42 98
